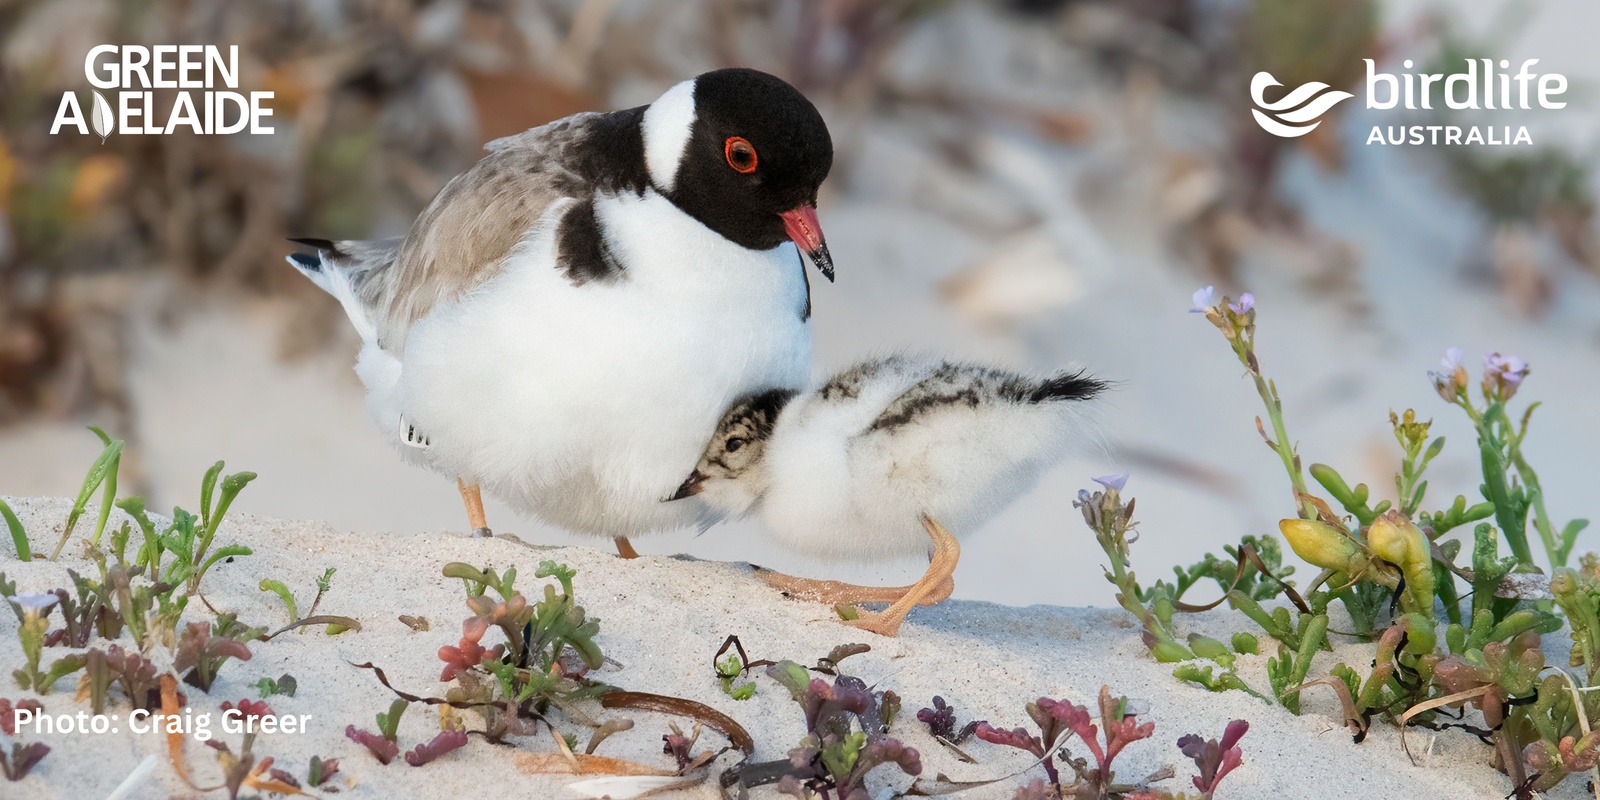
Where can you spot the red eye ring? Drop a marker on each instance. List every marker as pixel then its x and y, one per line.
pixel 741 154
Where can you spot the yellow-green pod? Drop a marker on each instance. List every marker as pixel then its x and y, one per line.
pixel 1394 539
pixel 1320 543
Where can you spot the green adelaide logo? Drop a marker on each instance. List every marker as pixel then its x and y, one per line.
pixel 124 100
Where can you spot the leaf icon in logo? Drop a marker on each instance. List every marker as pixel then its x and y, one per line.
pixel 1292 107
pixel 102 118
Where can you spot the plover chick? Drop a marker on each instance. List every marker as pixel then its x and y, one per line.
pixel 565 321
pixel 881 458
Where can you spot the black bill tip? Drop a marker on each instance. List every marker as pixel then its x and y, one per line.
pixel 823 260
pixel 690 487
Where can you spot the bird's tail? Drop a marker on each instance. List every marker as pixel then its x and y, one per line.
pixel 339 268
pixel 1067 386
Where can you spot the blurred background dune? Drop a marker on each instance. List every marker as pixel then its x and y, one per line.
pixel 1033 182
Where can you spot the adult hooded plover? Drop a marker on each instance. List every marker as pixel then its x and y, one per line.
pixel 879 459
pixel 566 321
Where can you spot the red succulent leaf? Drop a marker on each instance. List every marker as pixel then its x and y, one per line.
pixel 8 713
pixel 250 709
pixel 381 748
pixel 940 719
pixel 441 744
pixel 467 653
pixel 328 767
pixel 1214 759
pixel 1233 733
pixel 1016 737
pixel 24 757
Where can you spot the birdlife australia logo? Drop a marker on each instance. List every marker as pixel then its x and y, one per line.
pixel 1480 84
pixel 124 100
pixel 1297 113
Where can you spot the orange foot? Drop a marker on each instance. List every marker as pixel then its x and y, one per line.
pixel 933 587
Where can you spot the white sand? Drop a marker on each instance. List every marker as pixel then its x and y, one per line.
pixel 662 618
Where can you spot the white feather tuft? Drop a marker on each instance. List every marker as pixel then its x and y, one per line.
pixel 666 128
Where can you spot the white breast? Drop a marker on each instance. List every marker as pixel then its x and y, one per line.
pixel 587 405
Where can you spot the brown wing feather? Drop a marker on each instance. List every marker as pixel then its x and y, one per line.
pixel 461 239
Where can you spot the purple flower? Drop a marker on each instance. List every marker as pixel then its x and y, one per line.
pixel 1246 302
pixel 1451 377
pixel 1115 482
pixel 1502 375
pixel 1202 300
pixel 1510 368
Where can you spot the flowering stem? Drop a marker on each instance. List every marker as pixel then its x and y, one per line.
pixel 1237 322
pixel 1111 521
pixel 1291 460
pixel 1128 597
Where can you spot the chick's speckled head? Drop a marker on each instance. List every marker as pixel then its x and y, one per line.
pixel 728 476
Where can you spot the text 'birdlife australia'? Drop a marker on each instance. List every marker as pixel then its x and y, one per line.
pixel 1492 92
pixel 162 89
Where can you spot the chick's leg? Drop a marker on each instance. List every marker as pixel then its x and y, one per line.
pixel 474 502
pixel 934 587
pixel 625 547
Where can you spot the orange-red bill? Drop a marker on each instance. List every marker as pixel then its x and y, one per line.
pixel 802 226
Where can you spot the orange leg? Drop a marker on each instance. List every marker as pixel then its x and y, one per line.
pixel 625 547
pixel 933 587
pixel 474 502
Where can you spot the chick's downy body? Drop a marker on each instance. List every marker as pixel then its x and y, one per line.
pixel 849 470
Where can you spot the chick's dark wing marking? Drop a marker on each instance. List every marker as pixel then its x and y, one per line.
pixel 955 385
